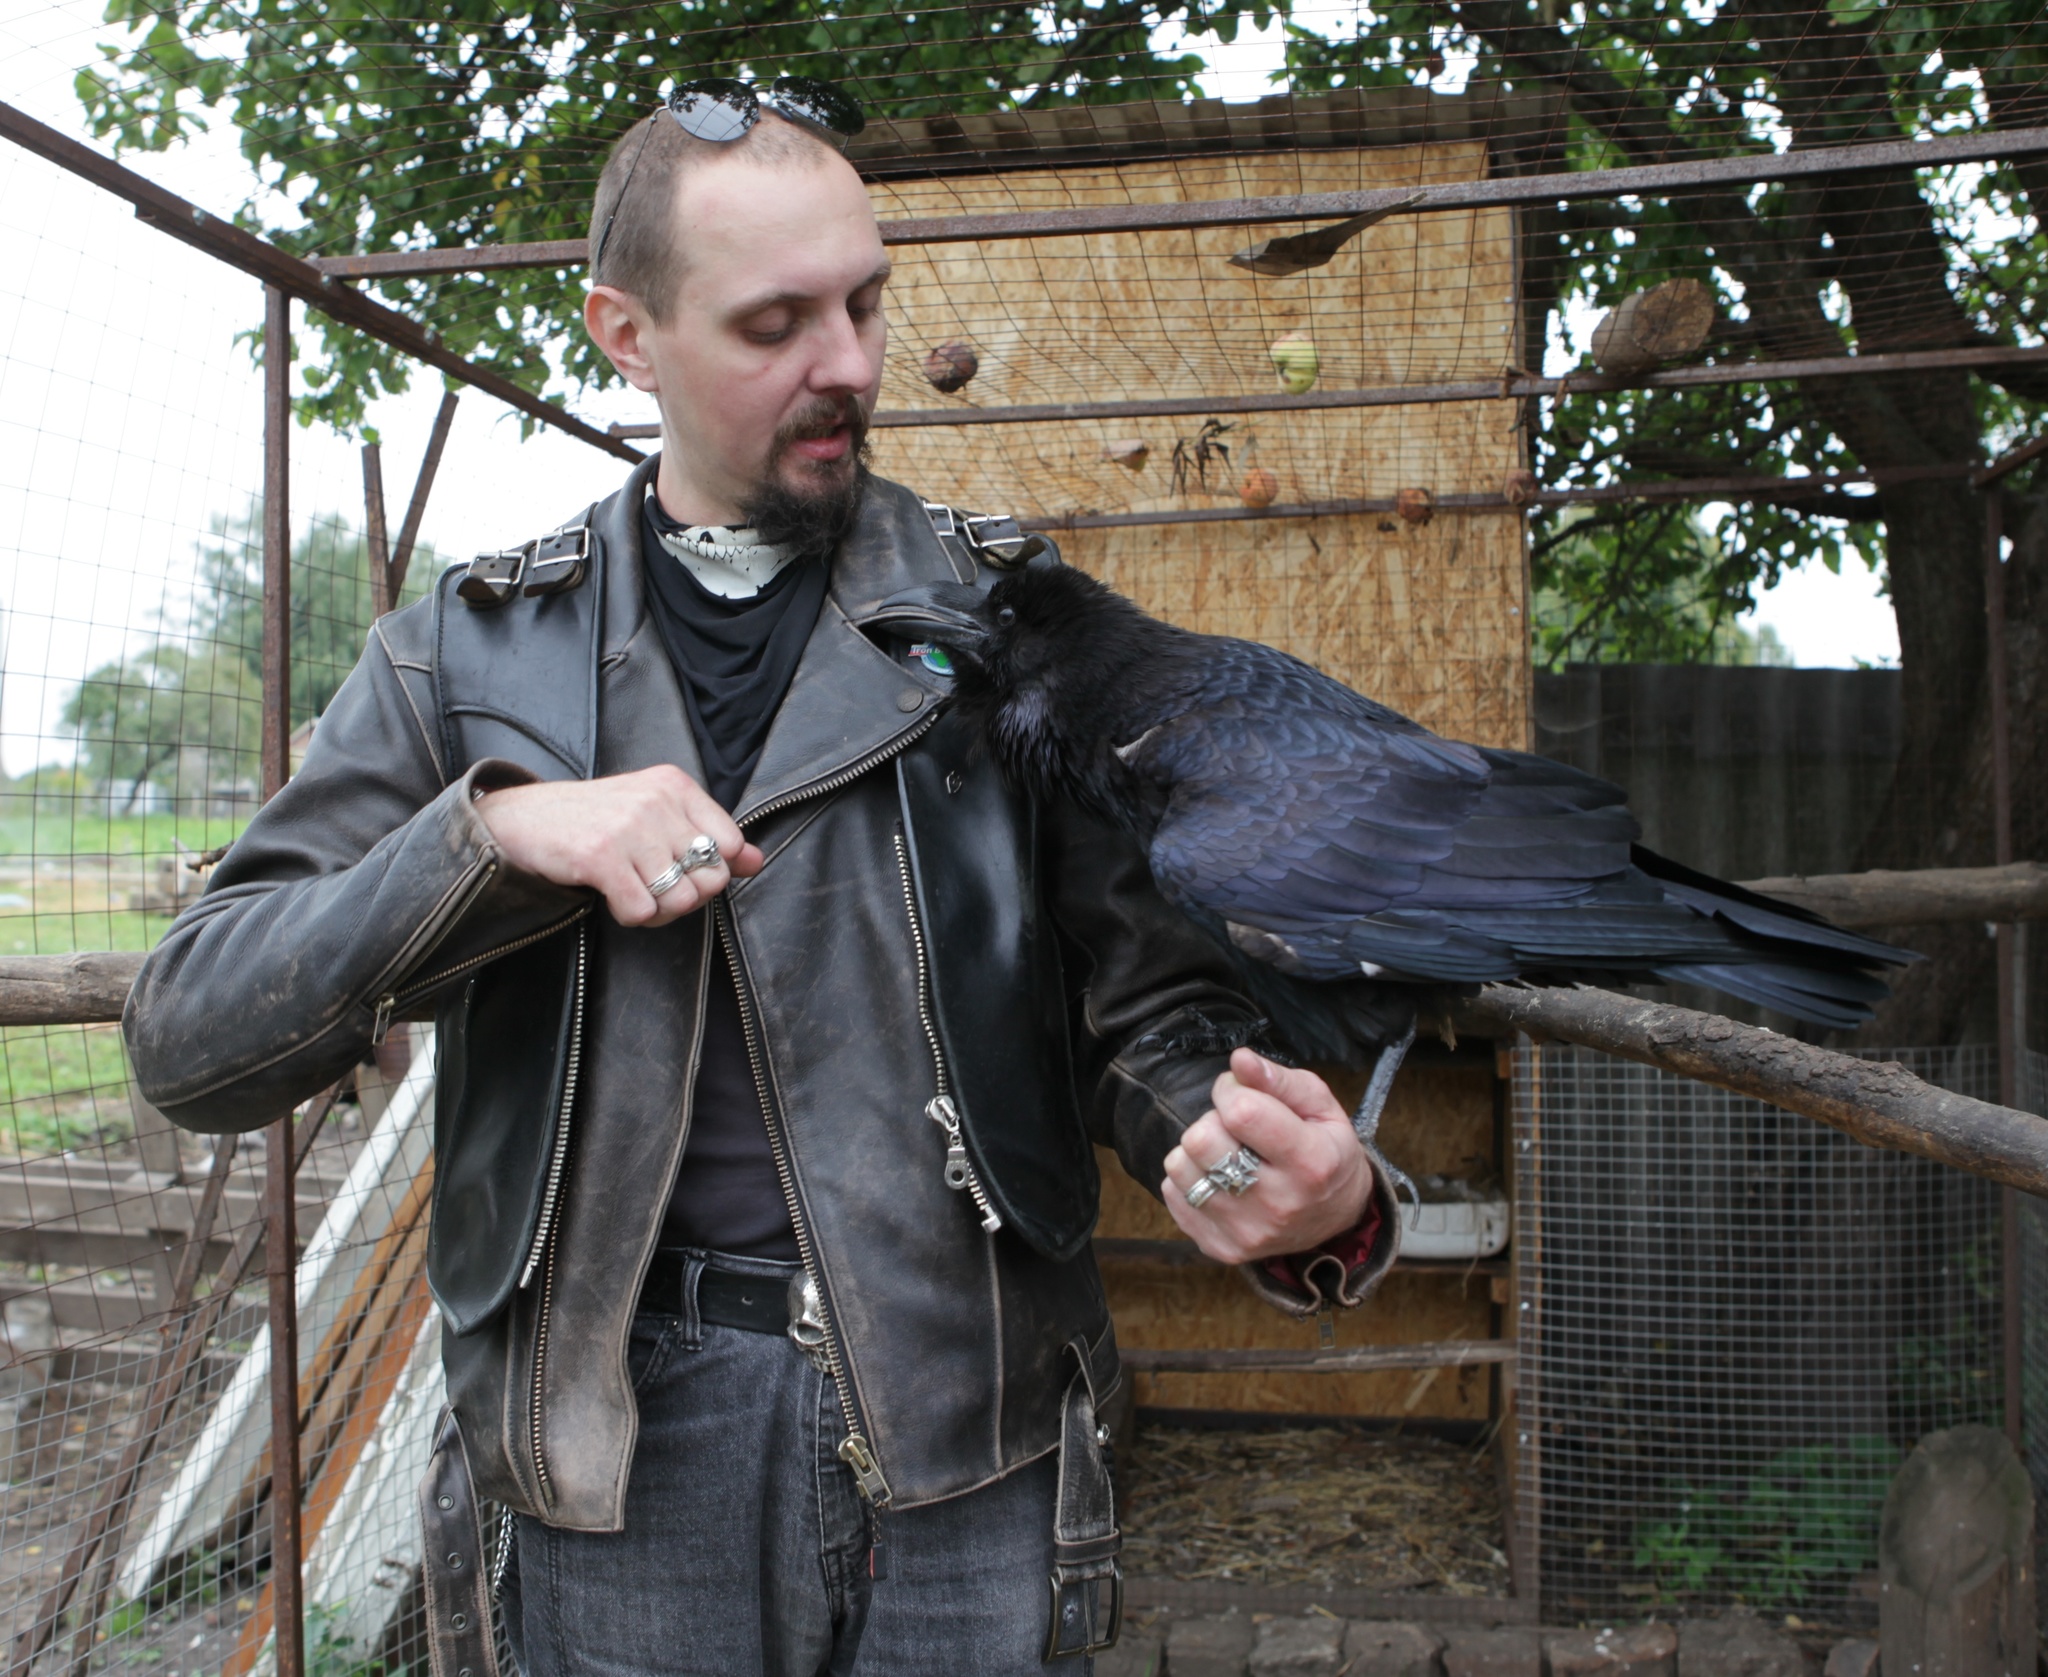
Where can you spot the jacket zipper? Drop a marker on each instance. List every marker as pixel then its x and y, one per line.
pixel 392 1000
pixel 855 1450
pixel 542 1254
pixel 852 772
pixel 940 1108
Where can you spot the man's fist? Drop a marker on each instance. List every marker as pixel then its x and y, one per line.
pixel 616 834
pixel 1314 1178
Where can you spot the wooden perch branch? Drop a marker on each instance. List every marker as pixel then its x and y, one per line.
pixel 1923 897
pixel 1879 1103
pixel 86 989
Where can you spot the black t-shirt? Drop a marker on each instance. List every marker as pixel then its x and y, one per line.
pixel 734 660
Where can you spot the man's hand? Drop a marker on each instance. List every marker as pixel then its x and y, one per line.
pixel 616 834
pixel 1314 1180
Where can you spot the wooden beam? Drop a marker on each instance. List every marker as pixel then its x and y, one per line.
pixel 91 988
pixel 1363 1359
pixel 1878 1103
pixel 84 989
pixel 1921 897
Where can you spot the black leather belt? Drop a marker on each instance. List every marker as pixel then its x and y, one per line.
pixel 757 1304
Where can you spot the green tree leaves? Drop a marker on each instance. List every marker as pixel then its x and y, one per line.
pixel 468 124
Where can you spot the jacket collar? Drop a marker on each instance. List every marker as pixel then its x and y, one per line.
pixel 849 701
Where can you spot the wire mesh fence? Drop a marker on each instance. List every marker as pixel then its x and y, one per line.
pixel 136 1410
pixel 1734 1323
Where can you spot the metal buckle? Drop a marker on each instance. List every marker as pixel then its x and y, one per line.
pixel 1092 1642
pixel 999 539
pixel 941 516
pixel 493 578
pixel 560 560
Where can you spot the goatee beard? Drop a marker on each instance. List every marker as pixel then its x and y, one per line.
pixel 813 519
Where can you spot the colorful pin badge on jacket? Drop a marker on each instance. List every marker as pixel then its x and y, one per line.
pixel 933 657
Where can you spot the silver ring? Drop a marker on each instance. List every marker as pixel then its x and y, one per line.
pixel 665 881
pixel 702 852
pixel 1200 1194
pixel 1236 1173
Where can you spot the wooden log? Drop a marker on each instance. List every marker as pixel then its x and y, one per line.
pixel 1878 1103
pixel 1363 1359
pixel 1668 322
pixel 89 988
pixel 1955 1554
pixel 1922 897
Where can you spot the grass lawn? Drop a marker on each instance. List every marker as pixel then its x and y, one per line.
pixel 63 832
pixel 67 877
pixel 65 1089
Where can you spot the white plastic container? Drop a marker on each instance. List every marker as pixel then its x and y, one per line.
pixel 1455 1229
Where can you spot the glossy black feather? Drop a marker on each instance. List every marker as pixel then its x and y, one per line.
pixel 1326 837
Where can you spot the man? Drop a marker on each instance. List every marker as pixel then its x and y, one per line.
pixel 772 1027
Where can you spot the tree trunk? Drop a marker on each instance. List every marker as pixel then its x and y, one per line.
pixel 1939 812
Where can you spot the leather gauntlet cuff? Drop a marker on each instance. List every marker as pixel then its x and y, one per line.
pixel 1342 1273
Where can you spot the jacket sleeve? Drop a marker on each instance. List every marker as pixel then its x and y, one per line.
pixel 366 877
pixel 1157 1012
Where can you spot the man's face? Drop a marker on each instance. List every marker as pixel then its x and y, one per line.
pixel 770 361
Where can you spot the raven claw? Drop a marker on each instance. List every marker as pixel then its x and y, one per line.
pixel 1204 1037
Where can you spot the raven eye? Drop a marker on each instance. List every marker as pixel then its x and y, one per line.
pixel 1006 616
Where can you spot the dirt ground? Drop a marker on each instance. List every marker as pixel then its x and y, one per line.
pixel 1312 1505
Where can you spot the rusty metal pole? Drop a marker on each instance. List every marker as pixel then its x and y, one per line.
pixel 280 1234
pixel 280 1238
pixel 2012 1292
pixel 276 748
pixel 375 531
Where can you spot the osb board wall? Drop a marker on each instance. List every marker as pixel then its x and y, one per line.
pixel 1425 618
pixel 1428 620
pixel 1438 1122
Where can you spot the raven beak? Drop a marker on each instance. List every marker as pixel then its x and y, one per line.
pixel 947 613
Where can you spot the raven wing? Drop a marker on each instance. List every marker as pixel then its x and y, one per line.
pixel 1352 838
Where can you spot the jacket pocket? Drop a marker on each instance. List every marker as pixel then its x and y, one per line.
pixel 509 1049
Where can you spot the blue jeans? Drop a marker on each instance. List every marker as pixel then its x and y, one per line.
pixel 746 1547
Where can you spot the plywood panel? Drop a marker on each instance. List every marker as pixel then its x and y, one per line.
pixel 1176 1308
pixel 1428 620
pixel 1439 1121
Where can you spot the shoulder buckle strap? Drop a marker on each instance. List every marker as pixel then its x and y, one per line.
pixel 1001 540
pixel 460 1642
pixel 550 564
pixel 1087 1584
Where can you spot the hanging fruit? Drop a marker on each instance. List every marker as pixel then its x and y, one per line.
pixel 1296 361
pixel 1259 487
pixel 1417 506
pixel 1128 452
pixel 951 365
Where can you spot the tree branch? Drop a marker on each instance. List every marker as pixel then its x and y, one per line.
pixel 1880 1104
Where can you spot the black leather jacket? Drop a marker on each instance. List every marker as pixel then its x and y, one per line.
pixel 920 931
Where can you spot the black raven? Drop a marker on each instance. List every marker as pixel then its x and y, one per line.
pixel 1331 839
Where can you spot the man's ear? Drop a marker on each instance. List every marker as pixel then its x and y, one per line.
pixel 618 323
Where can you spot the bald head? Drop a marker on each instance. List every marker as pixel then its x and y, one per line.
pixel 646 252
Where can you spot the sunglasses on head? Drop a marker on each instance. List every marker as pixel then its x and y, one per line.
pixel 722 109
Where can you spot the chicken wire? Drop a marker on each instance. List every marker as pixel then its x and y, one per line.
pixel 1733 1324
pixel 139 1419
pixel 134 1418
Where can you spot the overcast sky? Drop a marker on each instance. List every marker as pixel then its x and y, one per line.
pixel 130 418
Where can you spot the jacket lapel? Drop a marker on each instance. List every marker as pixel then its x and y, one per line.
pixel 850 700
